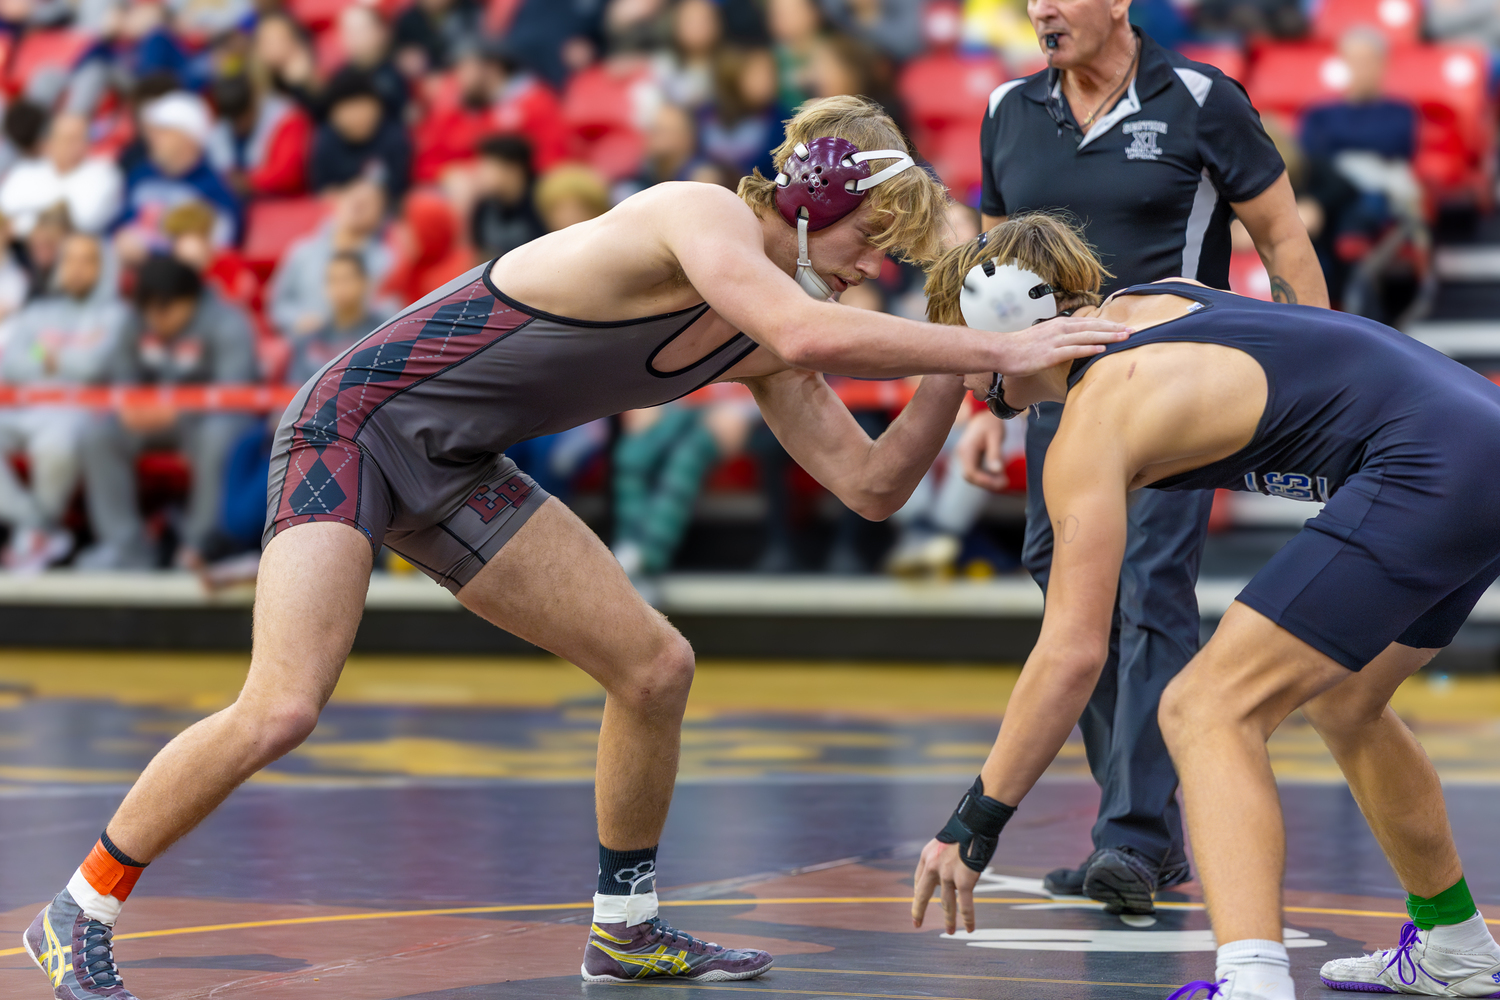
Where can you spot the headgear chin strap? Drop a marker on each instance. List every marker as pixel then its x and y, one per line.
pixel 823 181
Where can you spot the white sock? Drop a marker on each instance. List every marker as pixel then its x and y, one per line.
pixel 636 908
pixel 1258 969
pixel 1472 937
pixel 94 904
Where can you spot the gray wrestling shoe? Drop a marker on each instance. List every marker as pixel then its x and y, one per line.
pixel 652 950
pixel 75 952
pixel 1122 880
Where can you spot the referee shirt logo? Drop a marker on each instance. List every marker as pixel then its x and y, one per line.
pixel 1143 139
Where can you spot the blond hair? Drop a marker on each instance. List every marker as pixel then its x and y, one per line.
pixel 909 208
pixel 572 182
pixel 1051 246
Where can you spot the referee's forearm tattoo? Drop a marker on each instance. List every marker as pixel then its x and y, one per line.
pixel 1282 290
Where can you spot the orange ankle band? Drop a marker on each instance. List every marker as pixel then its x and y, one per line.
pixel 108 876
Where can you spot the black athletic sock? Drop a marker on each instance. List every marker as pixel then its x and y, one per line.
pixel 624 873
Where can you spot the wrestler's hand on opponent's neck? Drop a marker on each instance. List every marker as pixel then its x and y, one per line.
pixel 1094 47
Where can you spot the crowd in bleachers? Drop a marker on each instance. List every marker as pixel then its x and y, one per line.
pixel 232 191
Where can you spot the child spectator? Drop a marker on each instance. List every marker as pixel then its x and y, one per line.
pixel 685 71
pixel 89 185
pixel 181 334
pixel 188 229
pixel 494 96
pixel 430 248
pixel 43 245
pixel 177 127
pixel 795 26
pixel 346 286
pixel 743 125
pixel 262 139
pixel 297 301
pixel 15 282
pixel 281 54
pixel 68 337
pixel 366 41
pixel 570 194
pixel 358 137
pixel 503 216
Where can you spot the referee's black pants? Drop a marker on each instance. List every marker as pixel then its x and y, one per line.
pixel 1154 635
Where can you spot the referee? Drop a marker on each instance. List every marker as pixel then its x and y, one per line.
pixel 1154 155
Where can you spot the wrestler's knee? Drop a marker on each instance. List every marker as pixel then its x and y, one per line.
pixel 272 727
pixel 658 678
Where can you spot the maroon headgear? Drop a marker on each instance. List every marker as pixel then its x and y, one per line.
pixel 828 178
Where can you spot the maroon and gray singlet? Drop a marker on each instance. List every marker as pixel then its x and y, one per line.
pixel 404 434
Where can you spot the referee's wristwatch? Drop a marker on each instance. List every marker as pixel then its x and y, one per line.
pixel 995 399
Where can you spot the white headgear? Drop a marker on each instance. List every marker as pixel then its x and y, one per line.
pixel 1003 297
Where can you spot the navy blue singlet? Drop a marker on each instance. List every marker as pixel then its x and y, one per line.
pixel 1401 441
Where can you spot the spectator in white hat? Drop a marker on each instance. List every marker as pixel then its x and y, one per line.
pixel 177 127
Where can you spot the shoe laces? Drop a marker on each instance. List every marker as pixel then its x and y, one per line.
pixel 1191 989
pixel 99 955
pixel 1402 960
pixel 664 933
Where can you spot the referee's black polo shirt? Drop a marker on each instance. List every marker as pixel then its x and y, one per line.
pixel 1151 183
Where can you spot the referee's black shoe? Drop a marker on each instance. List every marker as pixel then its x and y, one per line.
pixel 1071 881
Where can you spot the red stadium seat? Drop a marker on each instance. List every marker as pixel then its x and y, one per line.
pixel 602 109
pixel 328 50
pixel 946 88
pixel 1400 20
pixel 946 97
pixel 1447 83
pixel 1287 79
pixel 1227 59
pixel 273 224
pixel 597 101
pixel 40 50
pixel 316 14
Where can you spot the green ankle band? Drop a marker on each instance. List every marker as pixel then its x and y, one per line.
pixel 1453 905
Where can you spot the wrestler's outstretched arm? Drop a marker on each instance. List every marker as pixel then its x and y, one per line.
pixel 872 478
pixel 720 245
pixel 1086 480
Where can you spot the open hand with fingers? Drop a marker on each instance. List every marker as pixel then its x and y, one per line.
pixel 941 866
pixel 955 857
pixel 1054 341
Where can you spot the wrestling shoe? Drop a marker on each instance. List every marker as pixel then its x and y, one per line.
pixel 652 950
pixel 1413 967
pixel 1122 880
pixel 75 952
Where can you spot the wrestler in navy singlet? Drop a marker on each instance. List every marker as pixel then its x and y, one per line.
pixel 1401 441
pixel 404 434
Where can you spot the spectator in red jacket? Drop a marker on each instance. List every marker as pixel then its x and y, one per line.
pixel 261 141
pixel 495 96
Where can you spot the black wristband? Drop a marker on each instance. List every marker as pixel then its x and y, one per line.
pixel 975 826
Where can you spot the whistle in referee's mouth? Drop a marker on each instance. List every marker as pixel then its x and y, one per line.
pixel 1051 41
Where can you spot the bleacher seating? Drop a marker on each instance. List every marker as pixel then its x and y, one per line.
pixel 273 224
pixel 604 108
pixel 59 49
pixel 945 94
pixel 1447 84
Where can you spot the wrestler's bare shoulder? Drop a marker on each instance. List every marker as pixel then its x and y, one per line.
pixel 621 264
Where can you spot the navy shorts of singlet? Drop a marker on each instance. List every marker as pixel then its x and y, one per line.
pixel 1401 552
